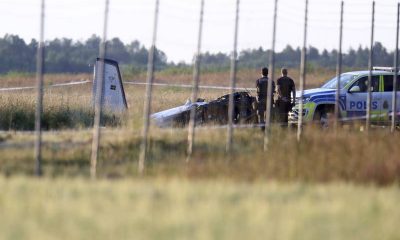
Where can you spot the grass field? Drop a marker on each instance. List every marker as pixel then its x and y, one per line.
pixel 181 209
pixel 321 156
pixel 70 107
pixel 349 156
pixel 328 186
pixel 245 77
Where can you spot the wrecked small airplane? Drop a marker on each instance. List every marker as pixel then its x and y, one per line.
pixel 213 112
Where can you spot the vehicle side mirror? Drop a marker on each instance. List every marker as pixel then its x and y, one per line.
pixel 354 89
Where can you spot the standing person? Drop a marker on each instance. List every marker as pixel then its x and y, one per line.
pixel 285 86
pixel 262 91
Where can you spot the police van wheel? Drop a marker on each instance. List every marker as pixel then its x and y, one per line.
pixel 323 118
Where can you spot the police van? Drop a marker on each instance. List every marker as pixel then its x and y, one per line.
pixel 319 103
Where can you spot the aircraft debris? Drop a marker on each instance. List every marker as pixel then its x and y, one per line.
pixel 213 112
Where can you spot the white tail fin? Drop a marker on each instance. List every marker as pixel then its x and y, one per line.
pixel 113 96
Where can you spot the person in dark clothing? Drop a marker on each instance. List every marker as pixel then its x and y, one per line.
pixel 285 86
pixel 262 91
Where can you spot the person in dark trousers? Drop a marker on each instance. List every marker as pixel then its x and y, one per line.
pixel 262 91
pixel 284 103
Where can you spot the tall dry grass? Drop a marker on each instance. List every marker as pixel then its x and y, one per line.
pixel 245 78
pixel 71 106
pixel 321 156
pixel 64 108
pixel 29 79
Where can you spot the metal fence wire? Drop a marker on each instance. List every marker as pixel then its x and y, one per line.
pixel 148 97
pixel 39 94
pixel 99 96
pixel 195 86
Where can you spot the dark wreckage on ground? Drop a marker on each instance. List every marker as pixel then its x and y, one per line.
pixel 212 112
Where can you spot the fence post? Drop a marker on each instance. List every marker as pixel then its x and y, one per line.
pixel 99 97
pixel 39 94
pixel 267 130
pixel 302 76
pixel 339 69
pixel 370 64
pixel 195 87
pixel 396 55
pixel 149 88
pixel 233 83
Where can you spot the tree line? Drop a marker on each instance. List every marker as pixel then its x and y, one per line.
pixel 69 56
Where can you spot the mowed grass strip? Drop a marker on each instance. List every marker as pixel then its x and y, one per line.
pixel 246 77
pixel 16 79
pixel 181 209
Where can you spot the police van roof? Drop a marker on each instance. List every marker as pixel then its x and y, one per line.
pixel 366 72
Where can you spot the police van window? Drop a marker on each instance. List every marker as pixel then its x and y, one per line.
pixel 388 83
pixel 363 84
pixel 398 83
pixel 344 80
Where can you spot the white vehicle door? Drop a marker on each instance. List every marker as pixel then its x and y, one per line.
pixel 356 99
pixel 387 95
